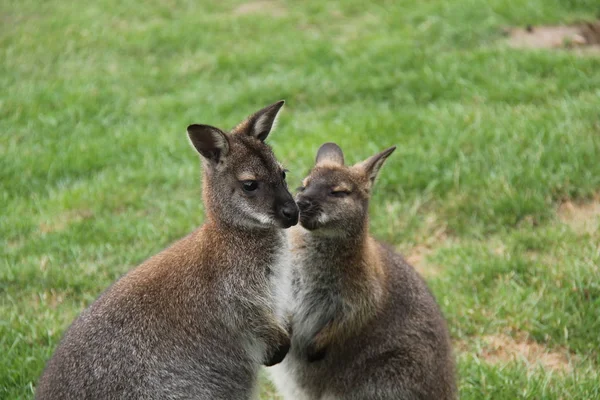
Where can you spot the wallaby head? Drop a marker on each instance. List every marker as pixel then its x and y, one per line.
pixel 334 198
pixel 243 184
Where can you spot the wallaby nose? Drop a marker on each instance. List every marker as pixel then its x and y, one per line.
pixel 289 212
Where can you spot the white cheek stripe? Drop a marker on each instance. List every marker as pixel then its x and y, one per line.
pixel 262 218
pixel 323 218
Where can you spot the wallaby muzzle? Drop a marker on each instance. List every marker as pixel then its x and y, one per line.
pixel 286 210
pixel 309 212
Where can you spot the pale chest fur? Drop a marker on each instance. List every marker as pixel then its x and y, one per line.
pixel 316 297
pixel 280 281
pixel 271 294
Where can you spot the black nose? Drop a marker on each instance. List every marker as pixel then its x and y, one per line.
pixel 289 212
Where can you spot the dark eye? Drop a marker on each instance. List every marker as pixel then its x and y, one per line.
pixel 339 193
pixel 300 188
pixel 283 175
pixel 249 186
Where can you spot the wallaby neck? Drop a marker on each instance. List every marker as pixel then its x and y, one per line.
pixel 246 237
pixel 351 247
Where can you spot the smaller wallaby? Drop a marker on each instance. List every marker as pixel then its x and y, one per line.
pixel 365 324
pixel 197 320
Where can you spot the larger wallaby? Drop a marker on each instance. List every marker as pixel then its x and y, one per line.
pixel 365 324
pixel 196 320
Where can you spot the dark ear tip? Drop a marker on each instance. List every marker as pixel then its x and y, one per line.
pixel 201 129
pixel 278 104
pixel 387 152
pixel 193 128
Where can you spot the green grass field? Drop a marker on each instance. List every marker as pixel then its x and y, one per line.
pixel 493 192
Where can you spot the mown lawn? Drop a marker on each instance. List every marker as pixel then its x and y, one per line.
pixel 493 193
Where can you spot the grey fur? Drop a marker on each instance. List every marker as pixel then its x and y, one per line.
pixel 365 324
pixel 196 320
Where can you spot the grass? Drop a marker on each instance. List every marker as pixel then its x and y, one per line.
pixel 96 173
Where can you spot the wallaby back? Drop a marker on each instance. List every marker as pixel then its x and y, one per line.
pixel 197 319
pixel 365 324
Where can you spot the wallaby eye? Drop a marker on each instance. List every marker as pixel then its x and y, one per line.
pixel 300 188
pixel 249 186
pixel 339 193
pixel 283 175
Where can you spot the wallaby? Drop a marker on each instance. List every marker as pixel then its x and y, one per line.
pixel 365 325
pixel 197 320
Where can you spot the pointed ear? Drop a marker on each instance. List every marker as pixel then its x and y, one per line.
pixel 260 123
pixel 330 153
pixel 210 142
pixel 372 164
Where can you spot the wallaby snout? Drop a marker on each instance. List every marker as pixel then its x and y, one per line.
pixel 285 210
pixel 303 203
pixel 309 196
pixel 309 211
pixel 288 213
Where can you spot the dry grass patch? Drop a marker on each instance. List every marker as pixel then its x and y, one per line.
pixel 433 237
pixel 418 258
pixel 581 217
pixel 585 36
pixel 503 349
pixel 48 299
pixel 264 7
pixel 62 221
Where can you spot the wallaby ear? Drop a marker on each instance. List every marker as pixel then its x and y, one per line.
pixel 372 164
pixel 210 142
pixel 260 123
pixel 330 153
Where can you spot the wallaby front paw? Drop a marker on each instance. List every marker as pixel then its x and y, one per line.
pixel 279 352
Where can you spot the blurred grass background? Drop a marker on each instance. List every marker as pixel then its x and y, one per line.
pixel 493 192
